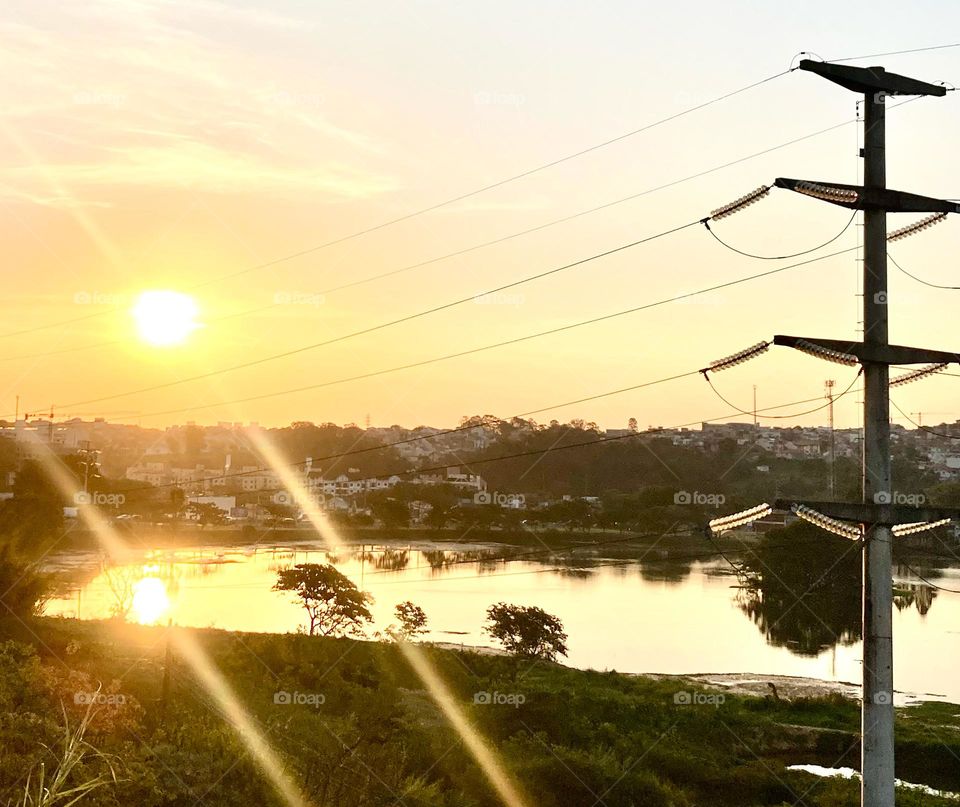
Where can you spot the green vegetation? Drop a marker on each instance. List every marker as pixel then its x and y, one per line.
pixel 527 631
pixel 412 619
pixel 376 735
pixel 334 604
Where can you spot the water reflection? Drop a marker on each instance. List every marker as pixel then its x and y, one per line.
pixel 801 587
pixel 906 595
pixel 793 609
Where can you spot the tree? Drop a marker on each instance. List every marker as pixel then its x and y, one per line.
pixel 205 513
pixel 527 631
pixel 392 512
pixel 412 618
pixel 334 605
pixel 31 525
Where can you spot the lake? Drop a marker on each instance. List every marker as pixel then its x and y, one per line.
pixel 631 610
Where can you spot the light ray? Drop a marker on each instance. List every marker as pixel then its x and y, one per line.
pixel 265 758
pixel 296 486
pixel 101 528
pixel 485 756
pixel 85 221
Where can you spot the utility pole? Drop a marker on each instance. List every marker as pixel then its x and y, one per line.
pixel 879 516
pixel 755 424
pixel 828 387
pixel 879 512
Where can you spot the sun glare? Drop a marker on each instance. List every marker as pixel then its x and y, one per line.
pixel 165 318
pixel 150 601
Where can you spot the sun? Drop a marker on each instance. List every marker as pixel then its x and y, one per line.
pixel 165 318
pixel 150 600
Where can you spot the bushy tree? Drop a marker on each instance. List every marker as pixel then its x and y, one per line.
pixel 527 631
pixel 334 605
pixel 412 619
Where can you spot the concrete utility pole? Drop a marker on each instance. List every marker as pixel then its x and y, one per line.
pixel 879 510
pixel 828 386
pixel 877 719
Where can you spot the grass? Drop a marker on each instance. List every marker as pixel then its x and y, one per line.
pixel 379 738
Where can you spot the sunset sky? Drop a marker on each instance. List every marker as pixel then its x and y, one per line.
pixel 179 146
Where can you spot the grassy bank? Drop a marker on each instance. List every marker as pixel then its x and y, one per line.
pixel 566 737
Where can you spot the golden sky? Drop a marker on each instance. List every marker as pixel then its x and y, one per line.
pixel 177 145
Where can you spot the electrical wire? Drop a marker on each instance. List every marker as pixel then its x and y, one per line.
pixel 895 53
pixel 513 178
pixel 920 279
pixel 444 203
pixel 928 582
pixel 463 251
pixel 783 417
pixel 352 452
pixel 435 435
pixel 469 352
pixel 291 256
pixel 399 320
pixel 562 220
pixel 919 426
pixel 706 223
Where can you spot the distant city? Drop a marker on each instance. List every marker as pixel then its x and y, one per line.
pixel 219 467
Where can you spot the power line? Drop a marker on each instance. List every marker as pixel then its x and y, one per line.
pixel 920 279
pixel 353 452
pixel 924 428
pixel 291 256
pixel 465 250
pixel 896 53
pixel 444 203
pixel 513 178
pixel 398 321
pixel 435 435
pixel 562 220
pixel 928 582
pixel 482 348
pixel 846 227
pixel 783 417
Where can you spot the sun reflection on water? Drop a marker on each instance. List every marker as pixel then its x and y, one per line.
pixel 150 600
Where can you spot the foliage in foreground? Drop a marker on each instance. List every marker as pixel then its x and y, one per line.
pixel 372 735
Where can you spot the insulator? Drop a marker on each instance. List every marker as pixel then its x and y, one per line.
pixel 740 519
pixel 916 375
pixel 917 227
pixel 826 353
pixel 741 203
pixel 843 528
pixel 738 358
pixel 917 526
pixel 828 193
